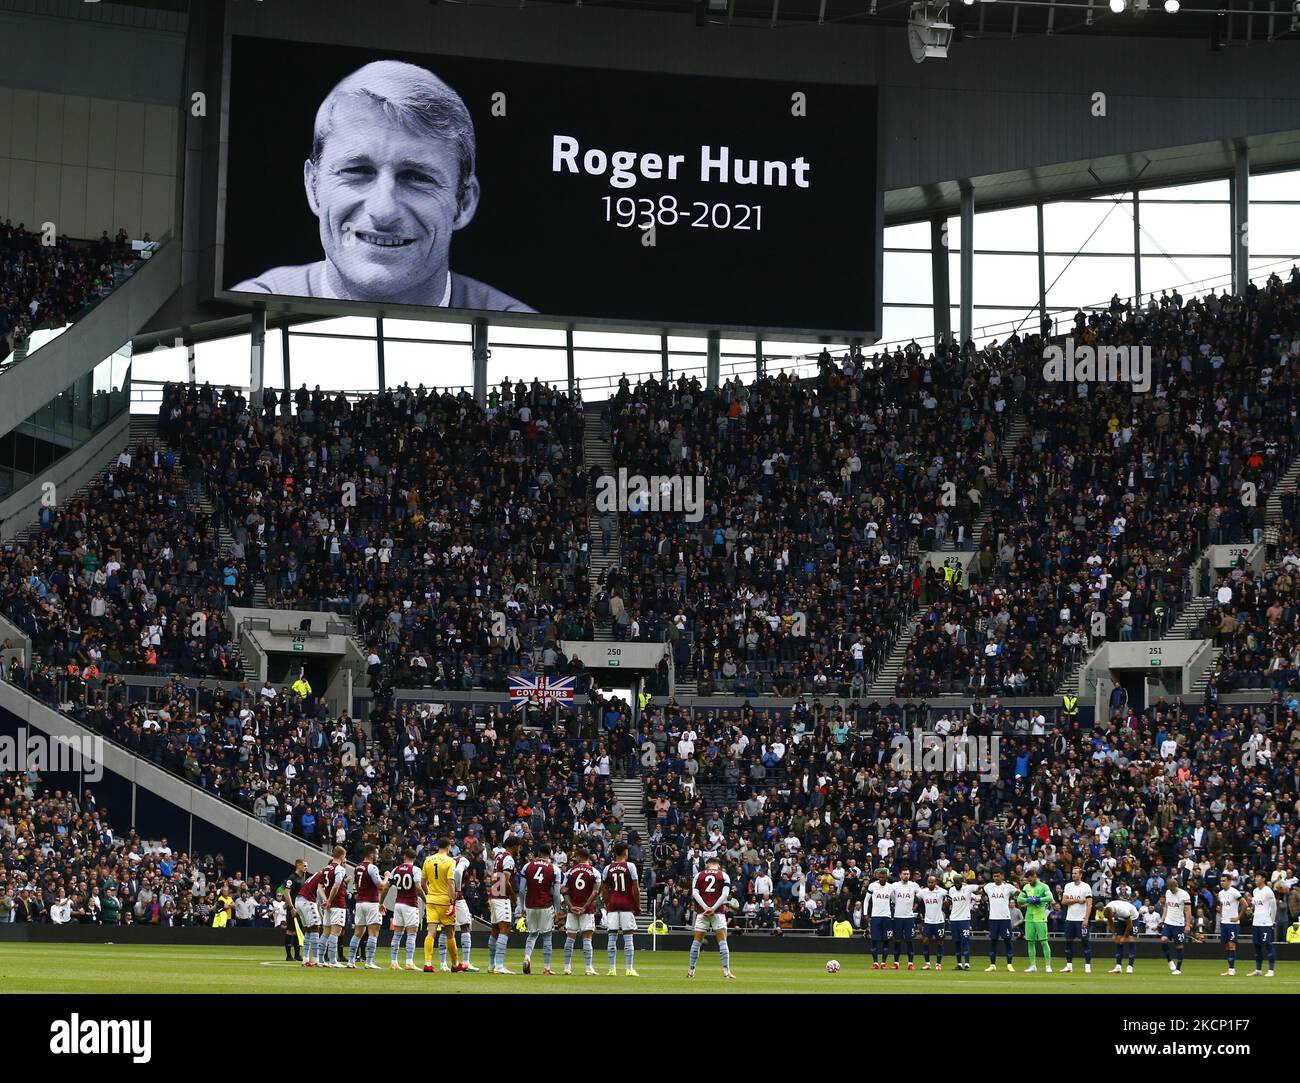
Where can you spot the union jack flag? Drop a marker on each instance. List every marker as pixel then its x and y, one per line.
pixel 544 692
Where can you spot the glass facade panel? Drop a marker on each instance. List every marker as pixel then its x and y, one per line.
pixel 434 364
pixel 615 340
pixel 522 336
pixel 166 363
pixel 1191 276
pixel 66 422
pixel 273 359
pixel 351 364
pixel 1274 230
pixel 527 363
pixel 222 361
pixel 1284 185
pixel 1006 280
pixel 683 364
pixel 427 330
pixel 914 235
pixel 602 369
pixel 902 324
pixel 908 278
pixel 1087 281
pixel 359 326
pixel 1211 189
pixel 1193 229
pixel 1089 245
pixel 1096 226
pixel 1012 230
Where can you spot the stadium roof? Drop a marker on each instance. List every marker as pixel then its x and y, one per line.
pixel 987 19
pixel 1195 19
pixel 1099 176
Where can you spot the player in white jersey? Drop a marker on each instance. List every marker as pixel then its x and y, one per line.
pixel 905 917
pixel 881 926
pixel 1077 896
pixel 960 897
pixel 999 893
pixel 1174 922
pixel 1228 908
pixel 1263 925
pixel 932 897
pixel 464 923
pixel 1121 916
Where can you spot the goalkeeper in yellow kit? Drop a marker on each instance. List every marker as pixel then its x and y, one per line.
pixel 438 877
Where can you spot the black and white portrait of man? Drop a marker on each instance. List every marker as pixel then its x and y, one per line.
pixel 390 179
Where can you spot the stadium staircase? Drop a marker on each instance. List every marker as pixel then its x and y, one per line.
pixel 885 681
pixel 1069 682
pixel 1016 429
pixel 144 430
pixel 1287 483
pixel 1189 620
pixel 631 793
pixel 598 451
pixel 140 430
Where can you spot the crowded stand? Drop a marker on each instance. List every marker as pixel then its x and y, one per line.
pixel 1106 503
pixel 125 578
pixel 63 860
pixel 802 805
pixel 1255 620
pixel 418 514
pixel 51 284
pixel 819 498
pixel 808 810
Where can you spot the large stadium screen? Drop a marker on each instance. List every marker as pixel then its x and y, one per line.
pixel 583 195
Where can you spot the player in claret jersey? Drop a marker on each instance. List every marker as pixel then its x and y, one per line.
pixel 904 892
pixel 582 894
pixel 622 893
pixel 307 905
pixel 406 909
pixel 501 901
pixel 711 891
pixel 334 886
pixel 292 886
pixel 541 900
pixel 368 915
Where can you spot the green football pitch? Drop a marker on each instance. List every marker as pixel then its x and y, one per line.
pixel 109 968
